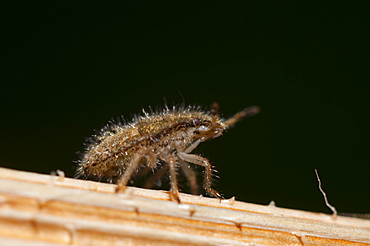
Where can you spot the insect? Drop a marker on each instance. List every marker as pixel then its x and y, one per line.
pixel 160 142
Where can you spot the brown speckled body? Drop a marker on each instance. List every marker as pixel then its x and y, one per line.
pixel 160 141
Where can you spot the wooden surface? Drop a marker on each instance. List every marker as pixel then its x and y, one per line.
pixel 38 209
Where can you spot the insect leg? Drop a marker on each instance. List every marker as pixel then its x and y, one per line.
pixel 174 193
pixel 143 171
pixel 207 174
pixel 192 146
pixel 155 177
pixel 150 165
pixel 191 176
pixel 131 167
pixel 151 158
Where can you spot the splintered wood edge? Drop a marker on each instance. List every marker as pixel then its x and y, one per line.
pixel 54 210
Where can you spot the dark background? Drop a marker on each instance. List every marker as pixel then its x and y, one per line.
pixel 69 68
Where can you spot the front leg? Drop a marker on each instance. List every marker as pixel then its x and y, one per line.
pixel 198 160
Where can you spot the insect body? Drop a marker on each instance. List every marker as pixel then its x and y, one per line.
pixel 160 141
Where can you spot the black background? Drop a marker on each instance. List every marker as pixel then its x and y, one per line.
pixel 69 68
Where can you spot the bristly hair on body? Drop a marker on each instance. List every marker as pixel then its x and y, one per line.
pixel 160 142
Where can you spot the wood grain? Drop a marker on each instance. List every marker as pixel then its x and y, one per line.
pixel 37 209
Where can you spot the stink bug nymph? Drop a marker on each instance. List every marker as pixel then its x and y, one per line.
pixel 161 142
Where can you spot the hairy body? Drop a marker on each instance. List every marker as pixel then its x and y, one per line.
pixel 164 139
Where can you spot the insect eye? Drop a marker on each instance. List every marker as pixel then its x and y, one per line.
pixel 196 122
